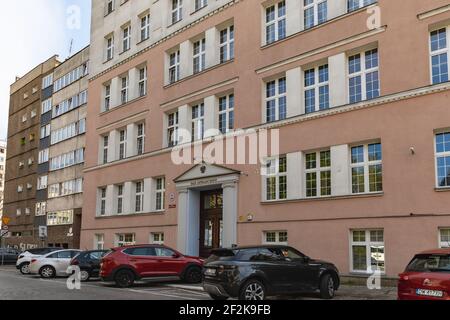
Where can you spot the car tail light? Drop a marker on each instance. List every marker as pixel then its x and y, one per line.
pixel 404 277
pixel 74 262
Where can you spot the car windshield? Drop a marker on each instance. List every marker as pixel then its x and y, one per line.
pixel 430 263
pixel 221 255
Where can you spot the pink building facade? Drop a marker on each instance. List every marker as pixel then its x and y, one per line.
pixel 359 96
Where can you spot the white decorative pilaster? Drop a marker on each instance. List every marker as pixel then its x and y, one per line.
pixel 128 201
pixel 295 175
pixel 295 104
pixel 186 63
pixel 211 116
pixel 131 140
pixel 230 214
pixel 338 80
pixel 340 170
pixel 212 47
pixel 112 145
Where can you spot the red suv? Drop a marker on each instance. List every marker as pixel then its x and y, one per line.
pixel 124 265
pixel 427 277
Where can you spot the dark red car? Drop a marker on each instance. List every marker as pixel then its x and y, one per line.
pixel 427 277
pixel 125 265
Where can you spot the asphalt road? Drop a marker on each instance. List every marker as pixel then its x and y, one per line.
pixel 14 286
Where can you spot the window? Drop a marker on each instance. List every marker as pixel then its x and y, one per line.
pixel 122 144
pixel 109 48
pixel 125 239
pixel 60 218
pixel 41 209
pixel 318 174
pixel 276 22
pixel 139 204
pixel 120 199
pixel 174 66
pixel 317 89
pixel 105 149
pixel 276 100
pixel 276 179
pixel 439 55
pixel 124 90
pixel 226 113
pixel 24 118
pixel 198 122
pixel 140 143
pixel 109 6
pixel 444 238
pixel 42 182
pixel 160 193
pixel 367 169
pixel 126 40
pixel 19 212
pixel 172 129
pixel 227 44
pixel 67 159
pixel 65 188
pixel 200 4
pixel 356 4
pixel 47 81
pixel 70 104
pixel 102 207
pixel 145 27
pixel 33 113
pixel 157 238
pixel 71 77
pixel 363 76
pixel 142 82
pixel 315 12
pixel 107 101
pixel 46 106
pixel 177 10
pixel 367 247
pixel 199 55
pixel 443 159
pixel 45 131
pixel 276 237
pixel 20 188
pixel 99 242
pixel 68 132
pixel 43 156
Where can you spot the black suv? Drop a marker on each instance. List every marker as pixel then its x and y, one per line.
pixel 254 273
pixel 89 263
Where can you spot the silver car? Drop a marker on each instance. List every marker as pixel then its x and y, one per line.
pixel 53 264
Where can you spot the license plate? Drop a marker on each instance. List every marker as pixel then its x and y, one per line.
pixel 430 293
pixel 210 272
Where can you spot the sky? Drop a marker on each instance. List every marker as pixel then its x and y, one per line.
pixel 37 30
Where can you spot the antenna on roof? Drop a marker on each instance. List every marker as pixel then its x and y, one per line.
pixel 70 47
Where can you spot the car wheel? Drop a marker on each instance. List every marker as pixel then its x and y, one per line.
pixel 193 275
pixel 218 298
pixel 47 272
pixel 327 287
pixel 24 268
pixel 84 275
pixel 124 279
pixel 253 290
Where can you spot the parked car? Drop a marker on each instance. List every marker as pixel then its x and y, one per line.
pixel 25 258
pixel 125 265
pixel 255 273
pixel 89 263
pixel 53 264
pixel 8 255
pixel 427 277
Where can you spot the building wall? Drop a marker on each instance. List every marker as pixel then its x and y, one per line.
pixel 2 175
pixel 408 114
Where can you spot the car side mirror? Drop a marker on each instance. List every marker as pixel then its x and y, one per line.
pixel 175 256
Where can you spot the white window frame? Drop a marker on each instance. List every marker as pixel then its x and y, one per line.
pixel 272 170
pixel 366 164
pixel 318 171
pixel 120 198
pixel 121 239
pixel 200 4
pixel 173 129
pixel 142 84
pixel 47 81
pixel 99 241
pixel 42 182
pixel 105 149
pixel 438 155
pixel 367 243
pixel 274 22
pixel 60 218
pixel 110 6
pixel 315 6
pixel 107 97
pixel 174 66
pixel 276 97
pixel 145 27
pixel 361 4
pixel 122 144
pixel 124 86
pixel 109 47
pixel 226 112
pixel 444 244
pixel 139 196
pixel 198 122
pixel 277 238
pixel 41 209
pixel 103 194
pixel 445 50
pixel 140 138
pixel 363 74
pixel 226 46
pixel 126 38
pixel 157 238
pixel 43 156
pixel 317 86
pixel 176 11
pixel 45 131
pixel 199 55
pixel 46 106
pixel 160 193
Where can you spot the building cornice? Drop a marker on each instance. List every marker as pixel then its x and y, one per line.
pixel 433 12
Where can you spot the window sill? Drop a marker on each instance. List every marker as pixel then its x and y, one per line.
pixel 350 196
pixel 198 10
pixel 442 189
pixel 124 51
pixel 127 215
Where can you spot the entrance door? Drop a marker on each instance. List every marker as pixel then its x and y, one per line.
pixel 211 221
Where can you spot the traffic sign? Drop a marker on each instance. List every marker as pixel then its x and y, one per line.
pixel 3 233
pixel 5 228
pixel 6 220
